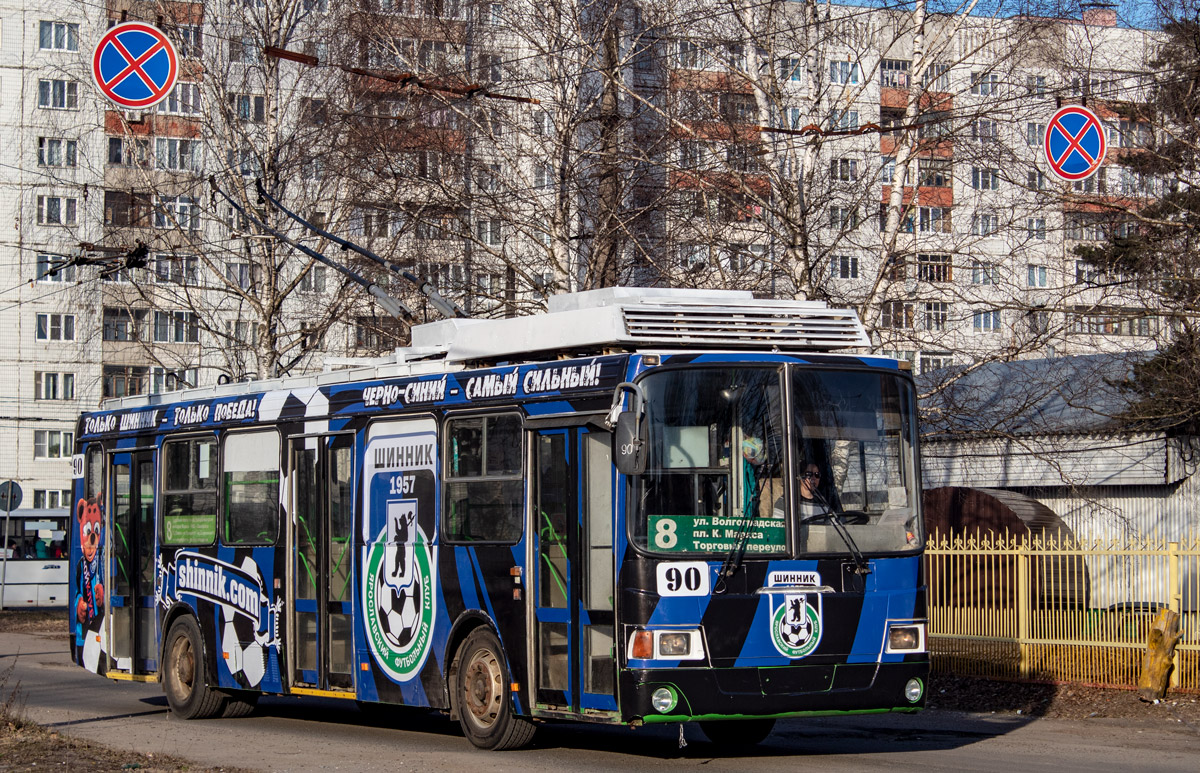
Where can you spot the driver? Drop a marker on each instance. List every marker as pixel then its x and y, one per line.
pixel 810 502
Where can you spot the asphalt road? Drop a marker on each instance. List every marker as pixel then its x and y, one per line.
pixel 289 734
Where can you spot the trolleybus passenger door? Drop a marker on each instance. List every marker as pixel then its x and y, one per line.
pixel 321 531
pixel 130 566
pixel 573 575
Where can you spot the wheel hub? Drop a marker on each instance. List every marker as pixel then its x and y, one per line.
pixel 482 693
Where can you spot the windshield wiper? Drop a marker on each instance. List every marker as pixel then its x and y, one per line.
pixel 733 559
pixel 861 566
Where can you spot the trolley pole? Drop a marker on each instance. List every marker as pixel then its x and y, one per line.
pixel 10 498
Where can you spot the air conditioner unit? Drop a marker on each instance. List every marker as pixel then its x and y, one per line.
pixel 133 116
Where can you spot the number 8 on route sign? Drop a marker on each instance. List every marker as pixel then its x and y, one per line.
pixel 135 65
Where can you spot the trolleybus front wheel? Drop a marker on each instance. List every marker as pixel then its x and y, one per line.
pixel 746 732
pixel 185 678
pixel 484 703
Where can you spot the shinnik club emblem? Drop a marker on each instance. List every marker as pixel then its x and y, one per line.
pixel 796 626
pixel 398 593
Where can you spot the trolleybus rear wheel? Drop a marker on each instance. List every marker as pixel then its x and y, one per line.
pixel 746 732
pixel 484 704
pixel 185 678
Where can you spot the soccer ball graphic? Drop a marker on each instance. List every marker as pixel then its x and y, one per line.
pixel 243 655
pixel 399 610
pixel 795 634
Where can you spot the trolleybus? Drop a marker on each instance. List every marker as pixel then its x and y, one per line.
pixel 643 506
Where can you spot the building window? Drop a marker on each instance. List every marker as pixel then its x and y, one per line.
pixel 985 179
pixel 985 84
pixel 1037 275
pixel 843 120
pixel 128 151
pixel 937 77
pixel 177 155
pixel 843 218
pixel 53 151
pixel 123 381
pixel 51 268
pixel 744 259
pixel 58 94
pixel 313 280
pixel 175 269
pixel 932 361
pixel 934 124
pixel 897 315
pixel 1087 273
pixel 55 327
pixel 244 50
pixel 983 129
pixel 894 73
pixel 1035 85
pixel 985 224
pixel 53 386
pixel 844 73
pixel 122 208
pixel 58 36
pixel 488 231
pixel 934 219
pixel 181 212
pixel 845 266
pixel 1036 228
pixel 56 210
pixel 934 267
pixel 983 273
pixel 51 498
pixel 1097 183
pixel 376 333
pixel 176 327
pixel 188 40
pixel 1035 181
pixel 791 70
pixel 1108 321
pixel 844 169
pixel 52 444
pixel 184 99
pixel 242 275
pixel 986 321
pixel 1085 227
pixel 1035 134
pixel 124 324
pixel 934 315
pixel 248 107
pixel 164 380
pixel 1134 134
pixel 936 172
pixel 490 68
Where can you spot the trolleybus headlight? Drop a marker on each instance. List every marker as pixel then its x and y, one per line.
pixel 909 637
pixel 663 699
pixel 674 644
pixel 912 690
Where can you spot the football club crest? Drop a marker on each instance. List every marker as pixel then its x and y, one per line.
pixel 398 571
pixel 796 624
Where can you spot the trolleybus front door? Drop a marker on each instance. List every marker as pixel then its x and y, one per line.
pixel 573 575
pixel 130 605
pixel 320 636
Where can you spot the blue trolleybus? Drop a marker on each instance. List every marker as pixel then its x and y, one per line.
pixel 644 506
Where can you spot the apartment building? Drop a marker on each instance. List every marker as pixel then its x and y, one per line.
pixel 846 153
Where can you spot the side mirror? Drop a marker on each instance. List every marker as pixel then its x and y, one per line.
pixel 630 444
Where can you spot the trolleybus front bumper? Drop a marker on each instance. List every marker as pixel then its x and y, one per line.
pixel 687 694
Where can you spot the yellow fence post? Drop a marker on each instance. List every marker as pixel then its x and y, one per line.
pixel 1023 610
pixel 1174 599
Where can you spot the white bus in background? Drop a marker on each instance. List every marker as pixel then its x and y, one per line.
pixel 35 575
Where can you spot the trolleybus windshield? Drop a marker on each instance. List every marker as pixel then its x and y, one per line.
pixel 728 470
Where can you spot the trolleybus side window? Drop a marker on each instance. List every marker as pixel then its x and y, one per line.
pixel 484 484
pixel 189 491
pixel 250 483
pixel 94 473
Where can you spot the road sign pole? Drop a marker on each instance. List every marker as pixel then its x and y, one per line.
pixel 10 497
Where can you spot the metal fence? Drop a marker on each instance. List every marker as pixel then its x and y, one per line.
pixel 1051 608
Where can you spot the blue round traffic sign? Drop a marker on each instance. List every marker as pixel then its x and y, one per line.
pixel 135 65
pixel 1075 144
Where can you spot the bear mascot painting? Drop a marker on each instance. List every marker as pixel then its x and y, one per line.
pixel 89 587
